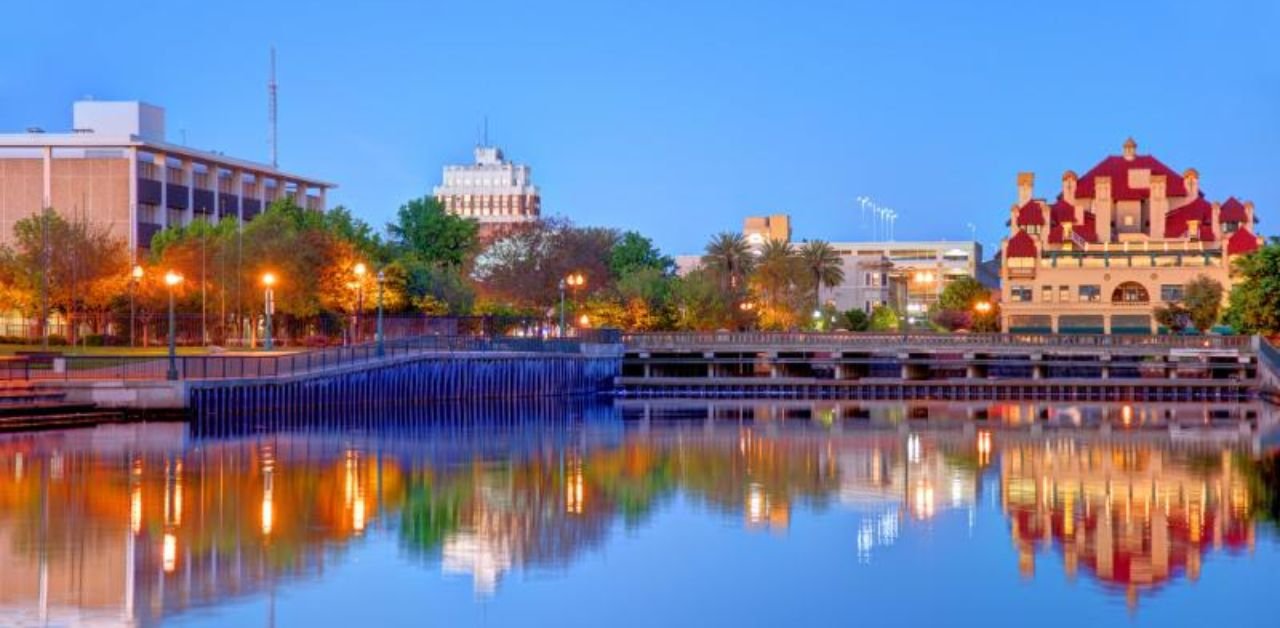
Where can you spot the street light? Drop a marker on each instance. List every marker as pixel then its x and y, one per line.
pixel 268 305
pixel 575 280
pixel 982 307
pixel 172 280
pixel 382 278
pixel 134 278
pixel 360 271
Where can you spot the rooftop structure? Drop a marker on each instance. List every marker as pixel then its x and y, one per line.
pixel 117 168
pixel 493 191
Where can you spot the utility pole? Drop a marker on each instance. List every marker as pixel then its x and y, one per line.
pixel 273 138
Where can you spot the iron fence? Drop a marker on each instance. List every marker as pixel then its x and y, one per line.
pixel 679 340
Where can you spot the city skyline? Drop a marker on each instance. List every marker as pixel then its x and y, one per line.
pixel 807 110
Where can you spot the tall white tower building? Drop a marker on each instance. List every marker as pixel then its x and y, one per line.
pixel 493 190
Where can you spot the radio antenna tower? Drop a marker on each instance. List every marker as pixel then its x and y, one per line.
pixel 272 137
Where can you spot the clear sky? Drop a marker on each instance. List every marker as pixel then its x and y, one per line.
pixel 679 118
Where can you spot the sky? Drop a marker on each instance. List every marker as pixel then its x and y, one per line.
pixel 678 119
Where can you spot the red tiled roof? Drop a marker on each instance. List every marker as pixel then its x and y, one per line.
pixel 1117 167
pixel 1232 211
pixel 1175 222
pixel 1021 245
pixel 1241 242
pixel 1063 211
pixel 1088 230
pixel 1030 214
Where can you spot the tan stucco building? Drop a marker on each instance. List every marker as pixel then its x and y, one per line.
pixel 1115 244
pixel 117 169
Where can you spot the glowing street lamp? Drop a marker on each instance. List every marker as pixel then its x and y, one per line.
pixel 172 280
pixel 360 270
pixel 982 307
pixel 268 305
pixel 134 278
pixel 575 280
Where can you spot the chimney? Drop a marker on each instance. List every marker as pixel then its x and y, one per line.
pixel 1026 184
pixel 1191 179
pixel 1130 149
pixel 1248 215
pixel 1069 187
pixel 1102 188
pixel 1159 186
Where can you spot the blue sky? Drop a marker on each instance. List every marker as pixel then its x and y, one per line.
pixel 679 118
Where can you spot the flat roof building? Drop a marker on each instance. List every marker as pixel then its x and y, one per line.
pixel 912 278
pixel 116 168
pixel 1115 244
pixel 493 191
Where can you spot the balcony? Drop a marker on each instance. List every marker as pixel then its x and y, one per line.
pixel 148 191
pixel 176 195
pixel 202 201
pixel 146 231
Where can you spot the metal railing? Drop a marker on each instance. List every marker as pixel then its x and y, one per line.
pixel 238 366
pixel 693 340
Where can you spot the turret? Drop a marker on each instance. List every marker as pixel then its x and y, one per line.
pixel 1026 187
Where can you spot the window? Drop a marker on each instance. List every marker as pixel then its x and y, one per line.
pixel 1046 294
pixel 1020 294
pixel 1064 294
pixel 1022 262
pixel 1230 227
pixel 1170 292
pixel 1090 293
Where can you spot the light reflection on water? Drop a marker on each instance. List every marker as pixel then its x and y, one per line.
pixel 526 505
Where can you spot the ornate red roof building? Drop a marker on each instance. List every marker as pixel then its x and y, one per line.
pixel 1114 244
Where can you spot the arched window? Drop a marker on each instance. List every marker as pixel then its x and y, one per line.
pixel 1130 292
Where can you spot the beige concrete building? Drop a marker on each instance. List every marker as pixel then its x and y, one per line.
pixel 1114 244
pixel 493 191
pixel 761 229
pixel 116 168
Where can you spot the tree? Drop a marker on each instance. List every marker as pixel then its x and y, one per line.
pixel 958 307
pixel 776 275
pixel 728 257
pixel 824 267
pixel 524 268
pixel 1202 297
pixel 855 320
pixel 424 229
pixel 633 252
pixel 54 265
pixel 884 318
pixel 1255 300
pixel 1173 317
pixel 699 304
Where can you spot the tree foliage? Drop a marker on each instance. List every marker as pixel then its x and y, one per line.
pixel 885 318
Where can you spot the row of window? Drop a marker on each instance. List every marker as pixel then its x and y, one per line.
pixel 1128 292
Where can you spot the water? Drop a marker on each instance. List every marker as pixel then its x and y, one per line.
pixel 642 514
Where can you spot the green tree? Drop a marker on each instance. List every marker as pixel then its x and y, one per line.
pixel 885 318
pixel 633 252
pixel 963 293
pixel 1173 317
pixel 855 320
pixel 728 257
pixel 423 228
pixel 823 267
pixel 777 274
pixel 1255 299
pixel 699 303
pixel 1202 297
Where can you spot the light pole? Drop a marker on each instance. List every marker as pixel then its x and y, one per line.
pixel 172 280
pixel 382 278
pixel 574 280
pixel 268 305
pixel 360 271
pixel 134 278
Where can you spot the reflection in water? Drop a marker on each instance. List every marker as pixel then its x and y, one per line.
pixel 141 522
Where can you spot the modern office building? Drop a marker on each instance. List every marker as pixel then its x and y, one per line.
pixel 912 274
pixel 116 168
pixel 1115 244
pixel 493 191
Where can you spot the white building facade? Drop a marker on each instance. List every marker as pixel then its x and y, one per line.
pixel 493 191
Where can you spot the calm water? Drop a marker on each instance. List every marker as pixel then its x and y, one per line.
pixel 583 514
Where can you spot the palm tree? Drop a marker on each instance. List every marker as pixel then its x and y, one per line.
pixel 824 267
pixel 728 255
pixel 776 270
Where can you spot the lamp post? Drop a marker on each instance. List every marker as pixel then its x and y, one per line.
pixel 268 306
pixel 172 280
pixel 574 280
pixel 382 278
pixel 360 271
pixel 134 278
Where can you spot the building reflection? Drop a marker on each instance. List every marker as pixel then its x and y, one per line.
pixel 137 524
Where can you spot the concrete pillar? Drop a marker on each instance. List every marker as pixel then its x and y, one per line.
pixel 1053 323
pixel 215 180
pixel 189 180
pixel 711 364
pixel 322 197
pixel 238 188
pixel 1106 324
pixel 773 365
pixel 1037 369
pixel 46 194
pixel 161 162
pixel 132 152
